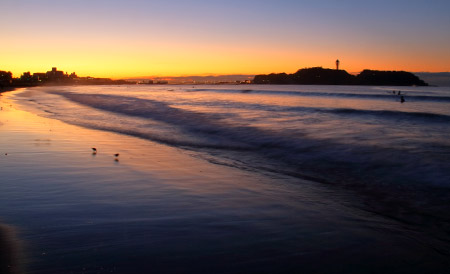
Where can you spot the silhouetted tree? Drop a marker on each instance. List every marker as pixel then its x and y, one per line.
pixel 388 78
pixel 5 78
pixel 273 78
pixel 321 76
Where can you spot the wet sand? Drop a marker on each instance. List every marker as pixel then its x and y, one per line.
pixel 166 210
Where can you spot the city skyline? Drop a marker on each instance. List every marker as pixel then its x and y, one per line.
pixel 124 39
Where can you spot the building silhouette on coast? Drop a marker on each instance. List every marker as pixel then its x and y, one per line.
pixel 54 77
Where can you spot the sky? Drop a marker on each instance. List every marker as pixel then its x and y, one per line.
pixel 137 38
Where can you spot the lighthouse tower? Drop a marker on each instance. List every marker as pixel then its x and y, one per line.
pixel 337 64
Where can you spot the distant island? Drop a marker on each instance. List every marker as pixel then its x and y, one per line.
pixel 321 76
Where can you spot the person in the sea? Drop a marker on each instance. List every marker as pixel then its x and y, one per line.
pixel 402 99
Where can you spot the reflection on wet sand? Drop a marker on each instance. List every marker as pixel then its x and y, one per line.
pixel 166 209
pixel 11 261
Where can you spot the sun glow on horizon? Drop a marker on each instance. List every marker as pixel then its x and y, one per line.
pixel 117 39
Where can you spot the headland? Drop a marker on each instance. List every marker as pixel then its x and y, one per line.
pixel 322 76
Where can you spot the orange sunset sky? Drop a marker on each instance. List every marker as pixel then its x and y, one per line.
pixel 120 39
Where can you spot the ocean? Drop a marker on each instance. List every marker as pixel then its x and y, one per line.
pixel 344 179
pixel 330 134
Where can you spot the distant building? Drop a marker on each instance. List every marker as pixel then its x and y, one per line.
pixel 162 82
pixel 40 76
pixel 55 74
pixel 26 76
pixel 337 64
pixel 148 82
pixel 54 77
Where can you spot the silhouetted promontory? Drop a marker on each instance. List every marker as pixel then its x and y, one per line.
pixel 321 76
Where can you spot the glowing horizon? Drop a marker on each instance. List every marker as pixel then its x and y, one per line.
pixel 129 39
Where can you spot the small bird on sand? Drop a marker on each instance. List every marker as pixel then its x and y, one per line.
pixel 117 157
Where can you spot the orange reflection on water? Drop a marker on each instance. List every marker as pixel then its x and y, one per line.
pixel 34 141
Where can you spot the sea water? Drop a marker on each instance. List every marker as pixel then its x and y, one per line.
pixel 334 179
pixel 333 134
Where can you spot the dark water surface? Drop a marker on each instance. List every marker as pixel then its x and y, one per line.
pixel 266 179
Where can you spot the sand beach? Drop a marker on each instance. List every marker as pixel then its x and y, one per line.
pixel 163 209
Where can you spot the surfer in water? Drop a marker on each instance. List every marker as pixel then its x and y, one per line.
pixel 402 99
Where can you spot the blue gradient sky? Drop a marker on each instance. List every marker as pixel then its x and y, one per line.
pixel 137 38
